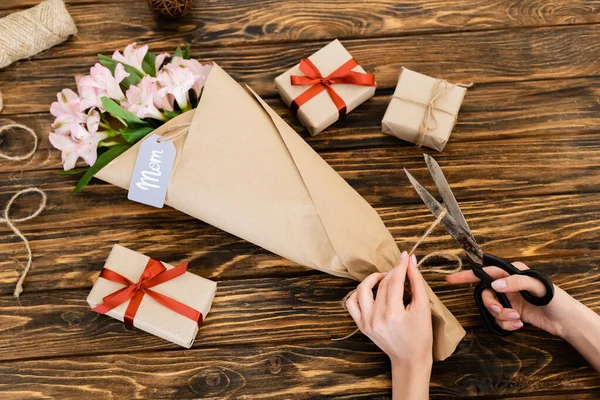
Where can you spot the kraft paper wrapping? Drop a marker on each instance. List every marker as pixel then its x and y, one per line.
pixel 408 108
pixel 190 289
pixel 320 112
pixel 244 170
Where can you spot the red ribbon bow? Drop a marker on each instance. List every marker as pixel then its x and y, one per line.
pixel 154 274
pixel 312 76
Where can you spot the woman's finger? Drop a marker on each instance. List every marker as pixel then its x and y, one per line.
pixel 397 278
pixel 496 309
pixel 515 283
pixel 364 292
pixel 417 284
pixel 467 276
pixel 354 309
pixel 509 325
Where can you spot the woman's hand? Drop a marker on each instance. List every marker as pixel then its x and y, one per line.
pixel 563 316
pixel 551 318
pixel 403 333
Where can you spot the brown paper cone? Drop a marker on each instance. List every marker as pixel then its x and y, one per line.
pixel 242 169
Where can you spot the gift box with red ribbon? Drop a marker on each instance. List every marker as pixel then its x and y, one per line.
pixel 325 87
pixel 153 296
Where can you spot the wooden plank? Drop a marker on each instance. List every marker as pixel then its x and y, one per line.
pixel 351 369
pixel 233 22
pixel 245 312
pixel 558 164
pixel 555 234
pixel 490 112
pixel 480 57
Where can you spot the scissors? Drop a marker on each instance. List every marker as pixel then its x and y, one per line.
pixel 456 225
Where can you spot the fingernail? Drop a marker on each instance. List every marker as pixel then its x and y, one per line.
pixel 413 259
pixel 517 325
pixel 404 255
pixel 499 284
pixel 513 316
pixel 495 308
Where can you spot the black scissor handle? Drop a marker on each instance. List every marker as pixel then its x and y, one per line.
pixel 491 260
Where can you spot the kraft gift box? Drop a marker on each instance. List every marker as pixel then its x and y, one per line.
pixel 320 111
pixel 152 317
pixel 423 110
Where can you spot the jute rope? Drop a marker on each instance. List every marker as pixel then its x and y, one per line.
pixel 181 130
pixel 443 254
pixel 6 219
pixel 13 125
pixel 439 89
pixel 29 32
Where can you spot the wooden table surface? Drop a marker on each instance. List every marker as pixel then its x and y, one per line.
pixel 524 161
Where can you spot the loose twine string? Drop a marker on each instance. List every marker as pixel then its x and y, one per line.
pixel 6 218
pixel 444 254
pixel 439 89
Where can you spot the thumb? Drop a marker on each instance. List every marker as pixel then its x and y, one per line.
pixel 516 283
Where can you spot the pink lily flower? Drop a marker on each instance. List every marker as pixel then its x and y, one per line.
pixel 140 99
pixel 132 56
pixel 83 142
pixel 67 110
pixel 160 58
pixel 88 95
pixel 176 81
pixel 104 82
pixel 200 71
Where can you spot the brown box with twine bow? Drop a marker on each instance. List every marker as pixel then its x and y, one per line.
pixel 324 87
pixel 423 110
pixel 156 297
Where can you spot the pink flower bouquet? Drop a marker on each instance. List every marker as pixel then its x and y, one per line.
pixel 124 98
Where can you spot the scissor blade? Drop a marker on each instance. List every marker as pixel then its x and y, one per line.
pixel 458 233
pixel 446 193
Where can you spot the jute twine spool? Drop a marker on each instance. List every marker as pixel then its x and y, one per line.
pixel 26 33
pixel 170 8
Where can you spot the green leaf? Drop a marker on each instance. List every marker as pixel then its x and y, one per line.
pixel 149 64
pixel 135 75
pixel 186 52
pixel 170 114
pixel 178 53
pixel 100 163
pixel 135 133
pixel 75 171
pixel 119 112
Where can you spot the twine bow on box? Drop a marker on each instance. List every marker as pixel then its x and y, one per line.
pixel 429 123
pixel 342 75
pixel 154 274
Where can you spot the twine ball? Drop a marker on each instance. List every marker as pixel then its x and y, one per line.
pixel 170 8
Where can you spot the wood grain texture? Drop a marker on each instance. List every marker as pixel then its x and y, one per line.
pixel 479 57
pixel 319 369
pixel 538 111
pixel 250 311
pixel 523 161
pixel 556 234
pixel 231 22
pixel 559 164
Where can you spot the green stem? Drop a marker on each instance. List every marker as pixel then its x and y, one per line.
pixel 108 143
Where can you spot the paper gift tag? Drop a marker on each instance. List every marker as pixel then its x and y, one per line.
pixel 152 172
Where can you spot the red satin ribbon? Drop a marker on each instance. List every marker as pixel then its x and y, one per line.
pixel 312 76
pixel 154 274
